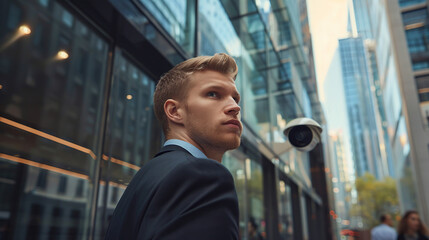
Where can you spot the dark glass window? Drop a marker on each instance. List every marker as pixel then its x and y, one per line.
pixel 177 17
pixel 285 211
pixel 49 93
pixel 414 16
pixel 79 188
pixel 44 3
pixel 422 83
pixel 418 39
pixel 261 111
pixel 42 178
pixel 420 65
pixel 34 221
pixel 285 36
pixel 13 17
pixel 133 133
pixel 114 197
pixel 62 186
pixel 73 230
pixel 285 75
pixel 406 3
pixel 55 228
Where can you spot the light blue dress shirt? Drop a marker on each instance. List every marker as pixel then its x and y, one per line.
pixel 383 232
pixel 187 146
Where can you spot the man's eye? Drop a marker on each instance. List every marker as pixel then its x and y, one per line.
pixel 212 94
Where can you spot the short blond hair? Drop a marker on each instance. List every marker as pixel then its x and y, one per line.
pixel 174 83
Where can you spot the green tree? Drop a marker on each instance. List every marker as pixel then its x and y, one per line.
pixel 374 199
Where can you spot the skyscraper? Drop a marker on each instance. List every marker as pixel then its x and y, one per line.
pixel 400 52
pixel 409 33
pixel 360 107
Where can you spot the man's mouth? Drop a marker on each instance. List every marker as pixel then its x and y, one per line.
pixel 234 122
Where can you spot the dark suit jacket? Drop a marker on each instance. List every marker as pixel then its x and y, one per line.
pixel 177 196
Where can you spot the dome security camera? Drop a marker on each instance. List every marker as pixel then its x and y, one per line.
pixel 303 133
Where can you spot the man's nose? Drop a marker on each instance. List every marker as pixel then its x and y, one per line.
pixel 233 108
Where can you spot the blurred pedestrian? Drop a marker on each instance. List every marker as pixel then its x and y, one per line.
pixel 384 231
pixel 252 229
pixel 412 228
pixel 185 192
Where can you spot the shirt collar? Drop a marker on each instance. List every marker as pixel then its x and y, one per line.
pixel 187 146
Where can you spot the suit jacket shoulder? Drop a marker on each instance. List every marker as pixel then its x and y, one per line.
pixel 178 196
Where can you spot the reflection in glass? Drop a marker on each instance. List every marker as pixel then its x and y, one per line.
pixel 406 3
pixel 177 17
pixel 50 115
pixel 248 180
pixel 285 211
pixel 407 185
pixel 255 194
pixel 417 39
pixel 233 160
pixel 133 135
pixel 304 218
pixel 216 31
pixel 422 83
pixel 414 16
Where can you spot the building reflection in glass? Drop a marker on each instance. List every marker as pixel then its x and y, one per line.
pixel 133 136
pixel 52 79
pixel 248 180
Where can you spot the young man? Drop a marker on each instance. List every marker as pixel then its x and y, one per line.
pixel 184 192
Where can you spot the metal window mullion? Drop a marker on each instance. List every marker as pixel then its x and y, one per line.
pixel 100 143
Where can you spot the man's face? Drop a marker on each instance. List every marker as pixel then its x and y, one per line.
pixel 211 112
pixel 388 220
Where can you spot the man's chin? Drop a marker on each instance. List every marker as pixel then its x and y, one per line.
pixel 233 144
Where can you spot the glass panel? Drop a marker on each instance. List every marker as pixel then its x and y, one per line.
pixel 414 16
pixel 248 179
pixel 263 118
pixel 422 83
pixel 133 135
pixel 406 3
pixel 239 8
pixel 392 100
pixel 234 161
pixel 285 212
pixel 147 29
pixel 304 217
pixel 418 39
pixel 177 17
pixel 406 185
pixel 217 35
pixel 216 31
pixel 52 87
pixel 420 65
pixel 255 197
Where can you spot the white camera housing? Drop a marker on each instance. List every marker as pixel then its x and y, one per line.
pixel 303 133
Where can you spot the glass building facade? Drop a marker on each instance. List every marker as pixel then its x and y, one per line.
pixel 76 118
pixel 415 166
pixel 414 17
pixel 399 54
pixel 360 107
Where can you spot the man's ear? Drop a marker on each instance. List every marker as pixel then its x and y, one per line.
pixel 172 111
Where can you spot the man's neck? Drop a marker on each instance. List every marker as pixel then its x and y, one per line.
pixel 209 151
pixel 215 155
